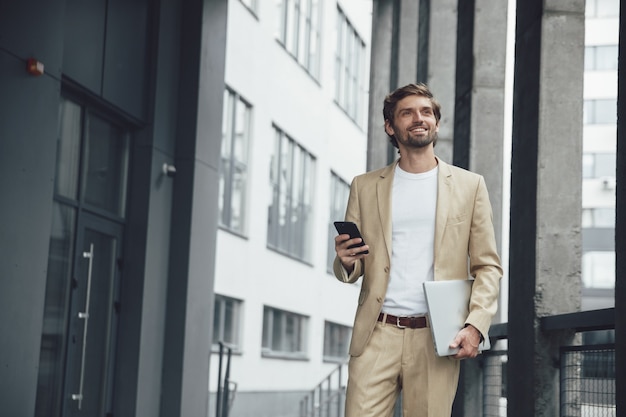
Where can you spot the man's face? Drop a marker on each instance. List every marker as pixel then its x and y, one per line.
pixel 414 124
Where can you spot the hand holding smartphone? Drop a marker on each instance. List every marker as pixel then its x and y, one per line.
pixel 350 228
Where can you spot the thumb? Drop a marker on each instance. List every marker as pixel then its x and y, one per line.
pixel 455 343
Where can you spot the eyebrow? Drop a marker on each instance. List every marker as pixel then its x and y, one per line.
pixel 422 108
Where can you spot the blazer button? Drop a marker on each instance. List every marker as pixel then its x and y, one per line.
pixel 386 270
pixel 380 300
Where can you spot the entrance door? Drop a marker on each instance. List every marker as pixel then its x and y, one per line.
pixel 80 311
pixel 93 318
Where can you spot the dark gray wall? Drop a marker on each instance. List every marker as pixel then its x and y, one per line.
pixel 105 50
pixel 125 55
pixel 28 127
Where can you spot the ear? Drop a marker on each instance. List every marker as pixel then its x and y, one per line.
pixel 389 128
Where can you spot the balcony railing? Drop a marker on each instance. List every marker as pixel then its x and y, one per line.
pixel 587 371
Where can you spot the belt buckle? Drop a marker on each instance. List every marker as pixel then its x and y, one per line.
pixel 398 323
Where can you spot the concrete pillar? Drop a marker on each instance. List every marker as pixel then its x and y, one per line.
pixel 189 315
pixel 545 248
pixel 408 34
pixel 380 82
pixel 620 227
pixel 442 69
pixel 399 56
pixel 479 132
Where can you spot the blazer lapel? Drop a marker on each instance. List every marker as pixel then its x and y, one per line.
pixel 383 195
pixel 444 190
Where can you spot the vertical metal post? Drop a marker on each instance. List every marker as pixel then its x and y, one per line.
pixel 226 390
pixel 218 406
pixel 339 392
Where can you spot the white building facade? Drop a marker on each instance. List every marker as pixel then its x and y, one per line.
pixel 599 153
pixel 294 136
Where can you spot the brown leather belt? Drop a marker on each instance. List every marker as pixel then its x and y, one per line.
pixel 418 322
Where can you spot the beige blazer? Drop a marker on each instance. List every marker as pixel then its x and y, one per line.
pixel 464 244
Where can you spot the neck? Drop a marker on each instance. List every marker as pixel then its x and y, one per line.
pixel 418 162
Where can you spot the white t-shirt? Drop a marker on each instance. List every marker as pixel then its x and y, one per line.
pixel 413 207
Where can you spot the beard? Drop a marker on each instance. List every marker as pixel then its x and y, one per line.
pixel 413 141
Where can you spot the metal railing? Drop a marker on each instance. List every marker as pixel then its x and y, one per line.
pixel 327 398
pixel 588 381
pixel 587 372
pixel 226 388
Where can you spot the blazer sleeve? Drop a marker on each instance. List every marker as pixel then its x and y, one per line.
pixel 352 215
pixel 484 263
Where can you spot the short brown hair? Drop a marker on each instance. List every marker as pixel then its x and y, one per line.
pixel 392 99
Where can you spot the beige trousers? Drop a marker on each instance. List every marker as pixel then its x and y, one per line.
pixel 401 359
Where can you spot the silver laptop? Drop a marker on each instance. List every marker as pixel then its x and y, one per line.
pixel 448 307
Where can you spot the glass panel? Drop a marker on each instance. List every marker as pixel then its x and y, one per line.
pixel 605 111
pixel 225 167
pixel 267 328
pixel 106 165
pixel 277 324
pixel 590 60
pixel 588 162
pixel 56 305
pixel 607 8
pixel 68 149
pixel 598 269
pixel 217 319
pixel 229 321
pixel 238 204
pixel 242 116
pixel 606 57
pixel 604 217
pixel 588 106
pixel 606 164
pixel 587 220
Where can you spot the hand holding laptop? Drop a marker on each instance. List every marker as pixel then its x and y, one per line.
pixel 467 342
pixel 448 308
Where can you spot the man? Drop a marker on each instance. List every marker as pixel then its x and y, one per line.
pixel 421 219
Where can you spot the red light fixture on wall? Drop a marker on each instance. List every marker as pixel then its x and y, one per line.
pixel 34 67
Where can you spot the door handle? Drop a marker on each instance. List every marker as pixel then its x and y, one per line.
pixel 85 316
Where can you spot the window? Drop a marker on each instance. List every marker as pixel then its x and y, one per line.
pixel 336 341
pixel 339 191
pixel 602 8
pixel 598 165
pixel 598 269
pixel 349 66
pixel 291 182
pixel 299 31
pixel 284 333
pixel 598 218
pixel 601 111
pixel 234 162
pixel 601 58
pixel 226 321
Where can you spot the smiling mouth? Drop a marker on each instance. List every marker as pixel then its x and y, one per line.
pixel 418 129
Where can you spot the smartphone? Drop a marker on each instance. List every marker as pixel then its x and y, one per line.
pixel 350 228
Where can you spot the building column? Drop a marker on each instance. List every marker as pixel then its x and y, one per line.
pixel 442 68
pixel 479 133
pixel 546 192
pixel 189 314
pixel 380 82
pixel 620 227
pixel 399 56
